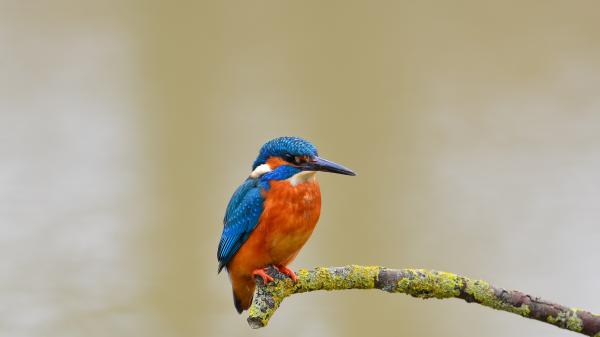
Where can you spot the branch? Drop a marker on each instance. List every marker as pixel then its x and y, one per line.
pixel 419 283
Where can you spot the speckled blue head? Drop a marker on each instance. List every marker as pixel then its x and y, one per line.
pixel 282 146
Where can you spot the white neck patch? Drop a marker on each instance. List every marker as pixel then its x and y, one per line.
pixel 301 177
pixel 260 170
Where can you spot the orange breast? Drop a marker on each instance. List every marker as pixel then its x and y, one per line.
pixel 289 218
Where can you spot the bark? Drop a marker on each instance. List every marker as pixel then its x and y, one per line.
pixel 419 283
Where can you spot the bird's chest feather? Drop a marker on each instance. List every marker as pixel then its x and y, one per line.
pixel 291 211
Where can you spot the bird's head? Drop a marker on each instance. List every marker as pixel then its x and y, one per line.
pixel 290 156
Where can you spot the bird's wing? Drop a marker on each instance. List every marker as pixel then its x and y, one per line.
pixel 241 217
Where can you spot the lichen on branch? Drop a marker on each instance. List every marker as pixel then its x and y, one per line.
pixel 419 283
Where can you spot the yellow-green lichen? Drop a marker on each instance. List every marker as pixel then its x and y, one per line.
pixel 484 293
pixel 303 274
pixel 427 284
pixel 568 319
pixel 258 319
pixel 260 312
pixel 415 282
pixel 363 277
pixel 349 277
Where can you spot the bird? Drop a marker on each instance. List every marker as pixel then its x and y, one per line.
pixel 272 214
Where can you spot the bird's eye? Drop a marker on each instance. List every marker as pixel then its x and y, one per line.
pixel 296 160
pixel 289 158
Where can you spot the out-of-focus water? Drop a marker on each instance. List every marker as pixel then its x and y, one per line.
pixel 125 127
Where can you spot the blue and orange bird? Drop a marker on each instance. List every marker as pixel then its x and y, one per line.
pixel 272 214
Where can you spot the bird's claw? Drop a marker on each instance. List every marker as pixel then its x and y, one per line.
pixel 288 272
pixel 266 277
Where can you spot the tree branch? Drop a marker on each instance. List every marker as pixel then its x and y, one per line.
pixel 417 283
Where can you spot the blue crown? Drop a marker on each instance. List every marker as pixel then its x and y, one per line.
pixel 281 146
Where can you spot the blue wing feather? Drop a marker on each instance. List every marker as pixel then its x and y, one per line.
pixel 241 217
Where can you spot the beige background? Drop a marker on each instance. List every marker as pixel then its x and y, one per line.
pixel 125 127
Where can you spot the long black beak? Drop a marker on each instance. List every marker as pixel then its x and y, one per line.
pixel 324 165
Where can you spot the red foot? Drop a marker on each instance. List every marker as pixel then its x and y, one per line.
pixel 261 272
pixel 288 272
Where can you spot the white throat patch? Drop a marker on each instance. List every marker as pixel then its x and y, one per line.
pixel 260 170
pixel 301 177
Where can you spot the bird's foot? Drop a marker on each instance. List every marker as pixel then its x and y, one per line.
pixel 261 272
pixel 288 272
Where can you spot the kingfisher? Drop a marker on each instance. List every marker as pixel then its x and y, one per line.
pixel 272 214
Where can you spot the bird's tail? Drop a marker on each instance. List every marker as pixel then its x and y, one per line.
pixel 243 291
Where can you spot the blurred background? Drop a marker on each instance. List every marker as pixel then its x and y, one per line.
pixel 126 126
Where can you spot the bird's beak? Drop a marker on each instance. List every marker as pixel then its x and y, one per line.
pixel 324 165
